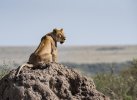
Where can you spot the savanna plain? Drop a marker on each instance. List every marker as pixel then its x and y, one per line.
pixel 113 68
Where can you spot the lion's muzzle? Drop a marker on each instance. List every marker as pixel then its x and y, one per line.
pixel 63 40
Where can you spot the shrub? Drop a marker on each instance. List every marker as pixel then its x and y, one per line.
pixel 4 70
pixel 119 87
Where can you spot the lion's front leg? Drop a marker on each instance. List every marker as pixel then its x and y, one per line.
pixel 54 55
pixel 54 58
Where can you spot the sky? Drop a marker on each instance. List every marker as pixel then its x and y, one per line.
pixel 85 22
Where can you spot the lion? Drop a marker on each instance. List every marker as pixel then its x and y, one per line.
pixel 46 51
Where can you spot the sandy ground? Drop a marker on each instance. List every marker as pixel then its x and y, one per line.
pixel 79 54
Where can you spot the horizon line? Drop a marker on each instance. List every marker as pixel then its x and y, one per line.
pixel 71 45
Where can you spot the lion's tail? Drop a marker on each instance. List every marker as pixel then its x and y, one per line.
pixel 20 67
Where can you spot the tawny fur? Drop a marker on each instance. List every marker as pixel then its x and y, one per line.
pixel 46 51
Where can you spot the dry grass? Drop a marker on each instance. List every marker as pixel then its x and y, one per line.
pixel 79 55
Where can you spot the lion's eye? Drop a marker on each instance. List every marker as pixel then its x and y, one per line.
pixel 60 36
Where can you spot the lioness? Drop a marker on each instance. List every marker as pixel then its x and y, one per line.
pixel 46 51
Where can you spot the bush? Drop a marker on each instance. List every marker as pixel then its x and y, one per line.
pixel 119 87
pixel 4 70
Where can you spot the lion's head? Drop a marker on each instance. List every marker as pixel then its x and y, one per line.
pixel 59 35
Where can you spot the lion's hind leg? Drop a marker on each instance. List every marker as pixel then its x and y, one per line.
pixel 20 68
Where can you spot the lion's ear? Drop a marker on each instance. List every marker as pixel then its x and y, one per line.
pixel 54 30
pixel 61 30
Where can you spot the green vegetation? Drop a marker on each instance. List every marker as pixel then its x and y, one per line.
pixel 121 86
pixel 93 69
pixel 4 69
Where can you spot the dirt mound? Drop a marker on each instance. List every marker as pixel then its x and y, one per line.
pixel 49 82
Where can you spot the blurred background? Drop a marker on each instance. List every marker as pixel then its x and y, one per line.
pixel 101 37
pixel 97 31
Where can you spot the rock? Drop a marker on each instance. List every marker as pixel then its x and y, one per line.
pixel 50 82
